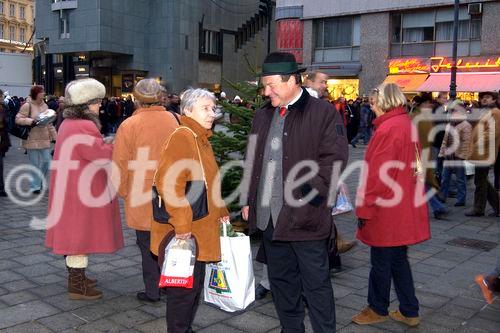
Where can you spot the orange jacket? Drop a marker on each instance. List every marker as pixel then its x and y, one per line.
pixel 145 131
pixel 182 146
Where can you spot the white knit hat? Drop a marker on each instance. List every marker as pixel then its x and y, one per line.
pixel 83 91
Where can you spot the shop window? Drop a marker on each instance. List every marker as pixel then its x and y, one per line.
pixel 12 10
pixel 337 39
pixel 347 88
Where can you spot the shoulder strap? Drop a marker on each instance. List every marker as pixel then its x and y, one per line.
pixel 175 116
pixel 197 148
pixel 29 108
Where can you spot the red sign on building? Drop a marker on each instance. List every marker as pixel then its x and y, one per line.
pixel 289 37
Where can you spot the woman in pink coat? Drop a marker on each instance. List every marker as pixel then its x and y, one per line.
pixel 391 208
pixel 83 215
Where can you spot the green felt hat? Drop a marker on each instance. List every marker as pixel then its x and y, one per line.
pixel 280 63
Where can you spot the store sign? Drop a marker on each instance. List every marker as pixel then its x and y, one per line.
pixel 408 66
pixel 482 64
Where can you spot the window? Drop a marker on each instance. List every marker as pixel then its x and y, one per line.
pixel 337 39
pixel 22 12
pixel 64 25
pixel 211 43
pixel 12 9
pixel 12 33
pixel 22 35
pixel 1 31
pixel 1 7
pixel 428 33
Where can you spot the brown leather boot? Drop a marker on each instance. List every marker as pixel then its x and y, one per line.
pixel 77 288
pixel 88 281
pixel 343 246
pixel 367 317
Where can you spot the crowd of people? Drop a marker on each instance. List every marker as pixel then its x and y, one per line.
pixel 300 244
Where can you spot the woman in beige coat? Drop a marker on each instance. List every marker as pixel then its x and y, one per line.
pixel 39 139
pixel 143 133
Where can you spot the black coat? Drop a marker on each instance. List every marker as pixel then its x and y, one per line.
pixel 313 131
pixel 4 134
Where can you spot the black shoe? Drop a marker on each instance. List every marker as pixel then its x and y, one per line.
pixel 459 204
pixel 473 213
pixel 336 269
pixel 141 296
pixel 440 214
pixel 3 194
pixel 261 292
pixel 36 192
pixel 353 145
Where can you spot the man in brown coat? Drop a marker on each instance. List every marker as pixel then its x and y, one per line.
pixel 295 216
pixel 138 145
pixel 484 153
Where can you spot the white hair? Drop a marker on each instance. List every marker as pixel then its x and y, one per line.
pixel 191 96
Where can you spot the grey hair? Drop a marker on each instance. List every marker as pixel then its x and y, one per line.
pixel 191 96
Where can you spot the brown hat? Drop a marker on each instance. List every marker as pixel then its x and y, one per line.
pixel 147 91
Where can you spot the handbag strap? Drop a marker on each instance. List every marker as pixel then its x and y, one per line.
pixel 197 149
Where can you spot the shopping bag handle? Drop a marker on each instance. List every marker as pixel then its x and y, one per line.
pixel 224 229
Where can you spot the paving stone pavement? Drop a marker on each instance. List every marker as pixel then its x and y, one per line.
pixel 33 281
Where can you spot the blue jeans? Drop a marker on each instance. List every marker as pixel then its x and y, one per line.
pixel 460 177
pixel 364 133
pixel 40 159
pixel 436 205
pixel 391 263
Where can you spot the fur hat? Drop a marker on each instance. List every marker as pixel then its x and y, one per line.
pixel 147 91
pixel 83 91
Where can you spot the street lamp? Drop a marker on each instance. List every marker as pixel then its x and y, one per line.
pixel 453 75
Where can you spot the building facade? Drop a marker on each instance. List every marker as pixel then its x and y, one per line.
pixel 16 26
pixel 363 43
pixel 182 43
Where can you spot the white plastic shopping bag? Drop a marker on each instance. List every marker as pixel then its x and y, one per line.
pixel 343 203
pixel 229 284
pixel 178 264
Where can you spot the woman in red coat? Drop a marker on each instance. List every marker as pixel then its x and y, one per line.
pixel 391 208
pixel 83 216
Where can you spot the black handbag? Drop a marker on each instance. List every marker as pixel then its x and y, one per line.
pixel 22 131
pixel 196 195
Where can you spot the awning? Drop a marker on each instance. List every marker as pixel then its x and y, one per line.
pixel 466 82
pixel 407 83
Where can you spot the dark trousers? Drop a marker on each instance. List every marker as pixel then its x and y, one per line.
pixel 297 268
pixel 150 269
pixel 2 184
pixel 391 263
pixel 484 191
pixel 182 303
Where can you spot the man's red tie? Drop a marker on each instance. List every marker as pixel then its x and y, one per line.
pixel 282 111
